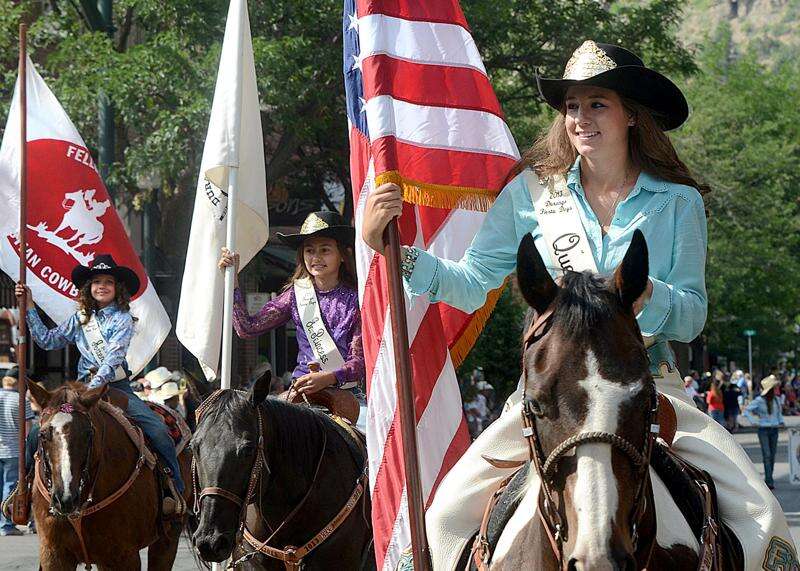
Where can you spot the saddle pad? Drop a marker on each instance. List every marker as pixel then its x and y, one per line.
pixel 176 425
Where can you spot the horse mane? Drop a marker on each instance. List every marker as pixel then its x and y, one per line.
pixel 62 395
pixel 584 302
pixel 293 428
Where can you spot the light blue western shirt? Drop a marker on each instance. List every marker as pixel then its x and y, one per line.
pixel 116 327
pixel 671 216
pixel 758 413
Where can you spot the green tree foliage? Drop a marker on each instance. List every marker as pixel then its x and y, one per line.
pixel 498 349
pixel 159 71
pixel 743 138
pixel 160 66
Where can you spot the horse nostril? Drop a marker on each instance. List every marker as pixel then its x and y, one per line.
pixel 572 565
pixel 222 544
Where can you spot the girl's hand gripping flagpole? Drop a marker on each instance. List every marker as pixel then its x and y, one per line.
pixel 20 504
pixel 405 394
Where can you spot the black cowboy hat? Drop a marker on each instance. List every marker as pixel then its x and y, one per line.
pixel 105 264
pixel 321 224
pixel 613 67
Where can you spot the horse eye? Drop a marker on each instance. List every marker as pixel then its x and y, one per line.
pixel 536 408
pixel 46 434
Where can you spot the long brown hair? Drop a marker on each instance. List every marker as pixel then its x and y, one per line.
pixel 650 149
pixel 347 269
pixel 715 388
pixel 88 305
pixel 769 398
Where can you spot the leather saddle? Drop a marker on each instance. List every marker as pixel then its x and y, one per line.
pixel 336 401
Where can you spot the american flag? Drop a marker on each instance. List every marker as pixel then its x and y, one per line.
pixel 422 113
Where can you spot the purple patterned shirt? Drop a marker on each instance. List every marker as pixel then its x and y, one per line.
pixel 340 313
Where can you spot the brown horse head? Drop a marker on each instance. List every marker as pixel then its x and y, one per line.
pixel 586 371
pixel 66 442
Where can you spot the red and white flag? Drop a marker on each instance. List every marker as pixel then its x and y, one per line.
pixel 421 112
pixel 70 218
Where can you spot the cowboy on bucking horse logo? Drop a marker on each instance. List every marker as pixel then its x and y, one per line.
pixel 82 217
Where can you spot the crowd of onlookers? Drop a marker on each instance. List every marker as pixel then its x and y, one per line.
pixel 480 404
pixel 725 395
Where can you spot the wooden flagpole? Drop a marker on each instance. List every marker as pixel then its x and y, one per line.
pixel 19 508
pixel 405 396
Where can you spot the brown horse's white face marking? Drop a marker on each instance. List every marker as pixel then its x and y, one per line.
pixel 59 455
pixel 595 494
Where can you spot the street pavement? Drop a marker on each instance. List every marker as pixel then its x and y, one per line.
pixel 21 552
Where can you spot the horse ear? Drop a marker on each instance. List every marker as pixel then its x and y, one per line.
pixel 89 398
pixel 39 394
pixel 535 283
pixel 261 388
pixel 201 388
pixel 630 278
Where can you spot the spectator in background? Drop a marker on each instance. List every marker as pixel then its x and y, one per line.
pixel 9 442
pixel 741 382
pixel 691 392
pixel 730 398
pixel 715 402
pixel 765 412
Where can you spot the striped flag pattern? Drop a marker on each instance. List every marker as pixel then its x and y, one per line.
pixel 422 113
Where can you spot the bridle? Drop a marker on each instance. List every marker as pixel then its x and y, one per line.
pixel 553 521
pixel 85 479
pixel 259 466
pixel 291 556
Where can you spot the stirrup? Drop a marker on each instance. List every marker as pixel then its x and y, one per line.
pixel 173 504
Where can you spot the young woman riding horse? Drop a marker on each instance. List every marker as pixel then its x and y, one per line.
pixel 303 473
pixel 605 169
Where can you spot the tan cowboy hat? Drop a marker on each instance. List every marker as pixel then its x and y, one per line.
pixel 159 376
pixel 768 384
pixel 167 391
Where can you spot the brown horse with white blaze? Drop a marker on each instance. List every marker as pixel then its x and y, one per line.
pixel 95 500
pixel 588 500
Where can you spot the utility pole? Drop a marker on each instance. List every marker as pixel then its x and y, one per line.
pixel 750 333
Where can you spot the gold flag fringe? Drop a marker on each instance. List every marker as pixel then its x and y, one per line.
pixel 443 196
pixel 440 195
pixel 467 339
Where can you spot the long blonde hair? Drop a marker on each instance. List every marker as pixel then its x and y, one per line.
pixel 649 147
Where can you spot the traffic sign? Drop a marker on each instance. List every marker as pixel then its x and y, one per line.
pixel 749 332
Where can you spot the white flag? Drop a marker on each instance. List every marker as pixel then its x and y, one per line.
pixel 233 141
pixel 71 218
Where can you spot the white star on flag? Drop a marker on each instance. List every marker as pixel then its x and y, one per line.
pixel 353 22
pixel 357 59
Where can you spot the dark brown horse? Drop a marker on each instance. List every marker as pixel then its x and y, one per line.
pixel 94 494
pixel 588 500
pixel 297 469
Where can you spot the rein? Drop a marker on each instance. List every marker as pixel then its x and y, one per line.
pixel 553 521
pixel 291 556
pixel 88 507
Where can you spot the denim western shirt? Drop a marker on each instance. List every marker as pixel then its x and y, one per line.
pixel 116 327
pixel 758 413
pixel 671 216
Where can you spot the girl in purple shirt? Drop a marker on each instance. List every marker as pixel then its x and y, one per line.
pixel 325 255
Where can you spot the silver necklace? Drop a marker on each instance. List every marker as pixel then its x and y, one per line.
pixel 613 208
